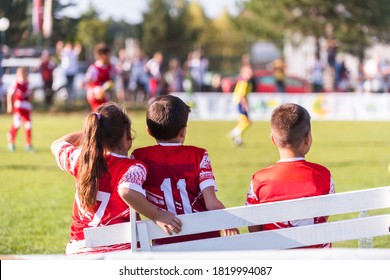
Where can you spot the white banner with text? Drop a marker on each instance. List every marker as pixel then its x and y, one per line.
pixel 328 106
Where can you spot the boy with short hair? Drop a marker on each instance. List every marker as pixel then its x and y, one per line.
pixel 180 177
pixel 292 176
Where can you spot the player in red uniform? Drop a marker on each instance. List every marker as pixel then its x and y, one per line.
pixel 292 176
pixel 108 182
pixel 18 103
pixel 100 76
pixel 180 178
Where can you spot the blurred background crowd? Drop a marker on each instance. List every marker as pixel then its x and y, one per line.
pixel 293 47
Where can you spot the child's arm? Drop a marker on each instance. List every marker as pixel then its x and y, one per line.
pixel 255 228
pixel 9 102
pixel 164 219
pixel 213 203
pixel 73 138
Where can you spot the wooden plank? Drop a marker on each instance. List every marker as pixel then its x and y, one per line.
pixel 243 216
pixel 302 208
pixel 133 232
pixel 289 237
pixel 108 235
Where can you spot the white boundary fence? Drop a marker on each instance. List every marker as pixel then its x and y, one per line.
pixel 326 106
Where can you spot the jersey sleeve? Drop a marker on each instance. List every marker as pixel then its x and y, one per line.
pixel 134 178
pixel 332 188
pixel 206 175
pixel 251 197
pixel 66 156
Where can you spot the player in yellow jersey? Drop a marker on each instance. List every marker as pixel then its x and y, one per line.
pixel 240 100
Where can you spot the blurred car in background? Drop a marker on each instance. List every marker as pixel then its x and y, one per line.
pixel 265 83
pixel 10 64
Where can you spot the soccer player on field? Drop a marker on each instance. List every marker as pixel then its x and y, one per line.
pixel 100 76
pixel 19 104
pixel 292 176
pixel 240 100
pixel 180 178
pixel 107 181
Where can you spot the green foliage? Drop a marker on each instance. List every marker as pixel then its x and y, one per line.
pixel 353 23
pixel 36 197
pixel 155 26
pixel 91 32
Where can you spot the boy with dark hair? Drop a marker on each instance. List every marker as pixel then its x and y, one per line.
pixel 292 176
pixel 180 177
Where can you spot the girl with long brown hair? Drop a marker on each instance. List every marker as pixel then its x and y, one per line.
pixel 107 181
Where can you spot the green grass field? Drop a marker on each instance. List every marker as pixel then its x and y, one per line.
pixel 36 197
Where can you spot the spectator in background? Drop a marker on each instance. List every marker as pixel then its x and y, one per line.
pixel 123 78
pixel 3 94
pixel 197 65
pixel 1 59
pixel 139 80
pixel 341 75
pixel 153 68
pixel 331 49
pixel 175 76
pixel 317 74
pixel 69 56
pixel 46 68
pixel 278 68
pixel 373 74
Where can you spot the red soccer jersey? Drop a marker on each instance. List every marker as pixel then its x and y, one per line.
pixel 97 74
pixel 177 174
pixel 21 96
pixel 290 179
pixel 110 208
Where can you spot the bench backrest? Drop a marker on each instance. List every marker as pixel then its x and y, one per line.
pixel 244 216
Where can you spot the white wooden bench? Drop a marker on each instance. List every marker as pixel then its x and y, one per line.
pixel 238 217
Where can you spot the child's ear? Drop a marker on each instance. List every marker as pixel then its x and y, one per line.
pixel 272 138
pixel 308 138
pixel 183 132
pixel 148 130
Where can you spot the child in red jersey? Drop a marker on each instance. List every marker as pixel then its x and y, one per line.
pixel 18 103
pixel 180 178
pixel 100 76
pixel 108 182
pixel 292 176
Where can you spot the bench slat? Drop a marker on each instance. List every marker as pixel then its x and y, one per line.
pixel 280 211
pixel 289 237
pixel 108 235
pixel 244 216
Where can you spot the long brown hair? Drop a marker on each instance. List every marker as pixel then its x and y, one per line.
pixel 103 131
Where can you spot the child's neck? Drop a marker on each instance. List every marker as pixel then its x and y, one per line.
pixel 178 140
pixel 286 154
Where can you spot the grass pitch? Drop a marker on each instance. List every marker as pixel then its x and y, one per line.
pixel 36 197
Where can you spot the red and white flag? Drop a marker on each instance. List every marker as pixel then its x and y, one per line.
pixel 37 16
pixel 47 25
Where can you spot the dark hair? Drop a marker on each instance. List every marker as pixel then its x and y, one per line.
pixel 165 116
pixel 101 48
pixel 103 130
pixel 290 123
